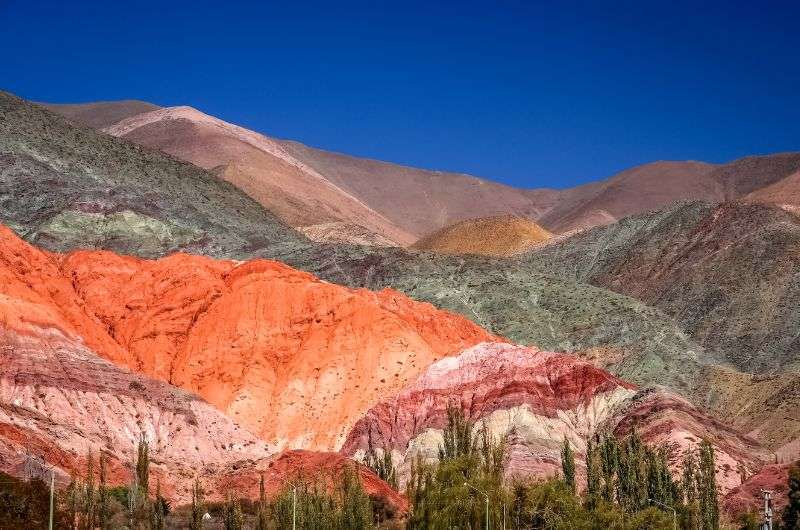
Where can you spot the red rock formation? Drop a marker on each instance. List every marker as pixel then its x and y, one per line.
pixel 534 399
pixel 257 339
pixel 748 497
pixel 314 468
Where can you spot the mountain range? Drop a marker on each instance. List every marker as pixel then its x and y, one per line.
pixel 169 273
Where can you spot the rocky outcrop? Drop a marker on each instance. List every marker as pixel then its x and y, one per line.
pixel 59 401
pixel 315 469
pixel 533 400
pixel 338 232
pixel 256 339
pixel 748 497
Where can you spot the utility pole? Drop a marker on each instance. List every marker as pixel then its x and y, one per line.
pixel 767 524
pixel 52 485
pixel 467 484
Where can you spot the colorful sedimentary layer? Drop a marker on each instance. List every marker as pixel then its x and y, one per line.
pixel 533 400
pixel 256 339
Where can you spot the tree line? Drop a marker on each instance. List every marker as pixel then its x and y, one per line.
pixel 626 485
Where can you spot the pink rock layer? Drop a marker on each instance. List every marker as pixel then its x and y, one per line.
pixel 532 400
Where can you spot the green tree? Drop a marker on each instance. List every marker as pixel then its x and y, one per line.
pixel 102 495
pixel 198 507
pixel 143 465
pixel 232 517
pixel 707 491
pixel 593 473
pixel 261 512
pixel 568 465
pixel 791 514
pixel 382 464
pixel 88 508
pixel 457 437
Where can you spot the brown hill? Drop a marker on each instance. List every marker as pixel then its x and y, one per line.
pixel 102 113
pixel 258 165
pixel 490 236
pixel 307 186
pixel 635 190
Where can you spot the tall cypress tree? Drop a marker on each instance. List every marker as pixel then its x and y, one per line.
pixel 709 503
pixel 143 465
pixel 102 490
pixel 791 514
pixel 568 465
pixel 593 473
pixel 198 507
pixel 261 515
pixel 88 494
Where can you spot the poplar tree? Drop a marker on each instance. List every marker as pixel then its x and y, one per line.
pixel 88 494
pixel 791 514
pixel 198 508
pixel 457 437
pixel 232 518
pixel 568 465
pixel 709 503
pixel 102 490
pixel 261 515
pixel 143 465
pixel 593 473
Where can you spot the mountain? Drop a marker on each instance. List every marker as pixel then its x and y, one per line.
pixel 64 185
pixel 488 236
pixel 101 113
pixel 258 165
pixel 306 186
pixel 728 274
pixel 636 190
pixel 253 339
pixel 534 400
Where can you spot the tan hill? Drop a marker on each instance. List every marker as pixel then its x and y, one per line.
pixel 489 236
pixel 308 186
pixel 256 164
pixel 102 113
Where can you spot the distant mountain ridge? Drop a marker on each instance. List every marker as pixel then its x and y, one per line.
pixel 305 186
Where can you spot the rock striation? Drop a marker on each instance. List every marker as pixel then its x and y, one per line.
pixel 533 400
pixel 257 339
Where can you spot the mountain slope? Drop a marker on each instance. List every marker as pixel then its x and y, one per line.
pixel 421 201
pixel 256 164
pixel 488 236
pixel 729 274
pixel 254 338
pixel 307 186
pixel 533 400
pixel 636 190
pixel 101 113
pixel 63 185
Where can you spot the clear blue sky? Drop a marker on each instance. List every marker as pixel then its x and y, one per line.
pixel 531 94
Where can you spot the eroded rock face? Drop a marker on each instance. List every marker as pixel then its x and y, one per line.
pixel 530 398
pixel 58 401
pixel 533 400
pixel 259 340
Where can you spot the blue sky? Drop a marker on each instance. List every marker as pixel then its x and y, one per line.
pixel 527 93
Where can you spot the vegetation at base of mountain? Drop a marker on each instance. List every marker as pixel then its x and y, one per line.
pixel 628 486
pixel 791 514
